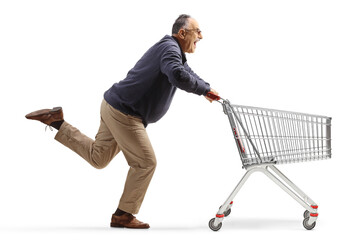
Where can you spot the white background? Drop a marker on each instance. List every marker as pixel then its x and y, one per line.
pixel 292 55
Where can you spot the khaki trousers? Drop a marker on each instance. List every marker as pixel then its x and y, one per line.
pixel 117 132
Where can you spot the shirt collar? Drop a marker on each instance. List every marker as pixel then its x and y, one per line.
pixel 183 56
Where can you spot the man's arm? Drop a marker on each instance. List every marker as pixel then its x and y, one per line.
pixel 181 75
pixel 187 67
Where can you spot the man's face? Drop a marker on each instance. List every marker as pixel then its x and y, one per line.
pixel 190 36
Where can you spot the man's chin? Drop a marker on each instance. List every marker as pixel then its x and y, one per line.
pixel 190 51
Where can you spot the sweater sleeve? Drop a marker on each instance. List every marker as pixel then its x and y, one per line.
pixel 180 75
pixel 187 68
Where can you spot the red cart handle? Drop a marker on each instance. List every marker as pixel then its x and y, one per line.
pixel 213 96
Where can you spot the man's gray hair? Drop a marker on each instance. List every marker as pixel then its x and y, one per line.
pixel 180 22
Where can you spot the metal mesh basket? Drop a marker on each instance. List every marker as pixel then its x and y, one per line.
pixel 268 135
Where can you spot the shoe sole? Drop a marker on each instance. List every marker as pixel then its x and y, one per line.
pixel 116 225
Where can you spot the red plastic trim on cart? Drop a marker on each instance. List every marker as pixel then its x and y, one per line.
pixel 314 206
pixel 213 96
pixel 238 141
pixel 314 214
pixel 220 215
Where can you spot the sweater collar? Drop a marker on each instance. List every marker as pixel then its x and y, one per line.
pixel 183 56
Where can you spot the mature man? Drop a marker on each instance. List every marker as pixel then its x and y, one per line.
pixel 143 97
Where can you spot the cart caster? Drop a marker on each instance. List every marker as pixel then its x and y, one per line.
pixel 306 224
pixel 306 214
pixel 212 227
pixel 227 212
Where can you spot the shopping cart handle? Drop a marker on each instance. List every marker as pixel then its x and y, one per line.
pixel 213 96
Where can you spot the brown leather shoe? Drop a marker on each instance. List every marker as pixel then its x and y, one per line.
pixel 127 220
pixel 47 116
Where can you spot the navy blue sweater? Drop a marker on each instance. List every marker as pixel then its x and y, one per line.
pixel 148 89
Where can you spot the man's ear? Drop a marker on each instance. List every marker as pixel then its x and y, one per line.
pixel 182 33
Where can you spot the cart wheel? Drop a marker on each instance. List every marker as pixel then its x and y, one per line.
pixel 227 213
pixel 306 214
pixel 212 227
pixel 306 224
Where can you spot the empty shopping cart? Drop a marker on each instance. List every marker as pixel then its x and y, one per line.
pixel 268 137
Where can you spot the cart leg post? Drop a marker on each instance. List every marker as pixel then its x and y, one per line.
pixel 287 189
pixel 228 201
pixel 311 214
pixel 294 187
pixel 216 223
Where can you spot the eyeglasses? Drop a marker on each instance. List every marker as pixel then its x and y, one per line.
pixel 196 30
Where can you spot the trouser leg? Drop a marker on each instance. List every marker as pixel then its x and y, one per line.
pixel 131 136
pixel 98 153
